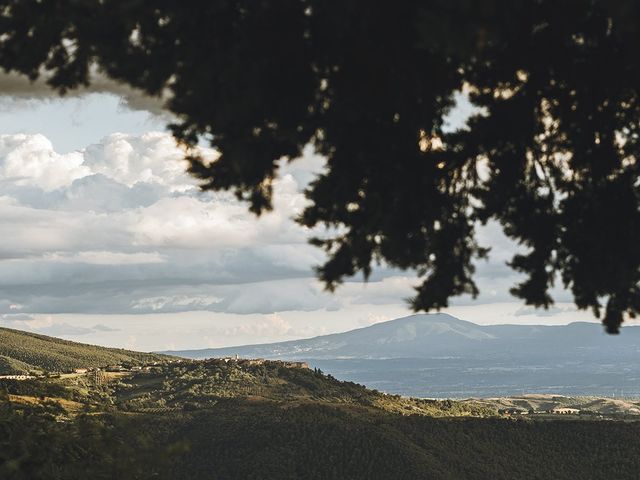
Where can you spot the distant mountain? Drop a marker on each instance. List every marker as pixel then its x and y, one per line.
pixel 441 356
pixel 436 336
pixel 21 352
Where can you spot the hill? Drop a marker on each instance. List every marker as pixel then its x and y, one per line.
pixel 437 355
pixel 201 384
pixel 271 420
pixel 22 352
pixel 542 403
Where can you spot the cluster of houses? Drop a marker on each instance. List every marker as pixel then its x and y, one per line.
pixel 553 411
pixel 249 362
pixel 16 377
pixel 86 371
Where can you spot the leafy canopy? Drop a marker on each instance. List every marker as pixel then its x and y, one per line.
pixel 552 156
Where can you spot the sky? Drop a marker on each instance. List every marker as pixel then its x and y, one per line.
pixel 105 239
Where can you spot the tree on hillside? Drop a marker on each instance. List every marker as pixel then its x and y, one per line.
pixel 552 155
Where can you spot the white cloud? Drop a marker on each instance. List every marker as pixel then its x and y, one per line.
pixel 152 158
pixel 31 160
pixel 189 222
pixel 120 228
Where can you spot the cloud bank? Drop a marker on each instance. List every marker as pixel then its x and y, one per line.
pixel 119 228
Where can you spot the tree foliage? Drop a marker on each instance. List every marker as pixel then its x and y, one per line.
pixel 312 441
pixel 551 156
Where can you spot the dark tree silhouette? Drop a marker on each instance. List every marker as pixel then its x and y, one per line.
pixel 552 156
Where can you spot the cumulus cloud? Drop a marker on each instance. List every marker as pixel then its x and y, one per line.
pixel 30 160
pixel 119 227
pixel 152 158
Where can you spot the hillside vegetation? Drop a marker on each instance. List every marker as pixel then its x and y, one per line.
pixel 270 420
pixel 193 385
pixel 199 385
pixel 22 352
pixel 250 419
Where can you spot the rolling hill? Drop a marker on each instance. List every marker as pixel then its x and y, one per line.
pixel 542 403
pixel 22 352
pixel 217 419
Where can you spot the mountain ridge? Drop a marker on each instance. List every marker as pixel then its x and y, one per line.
pixel 411 331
